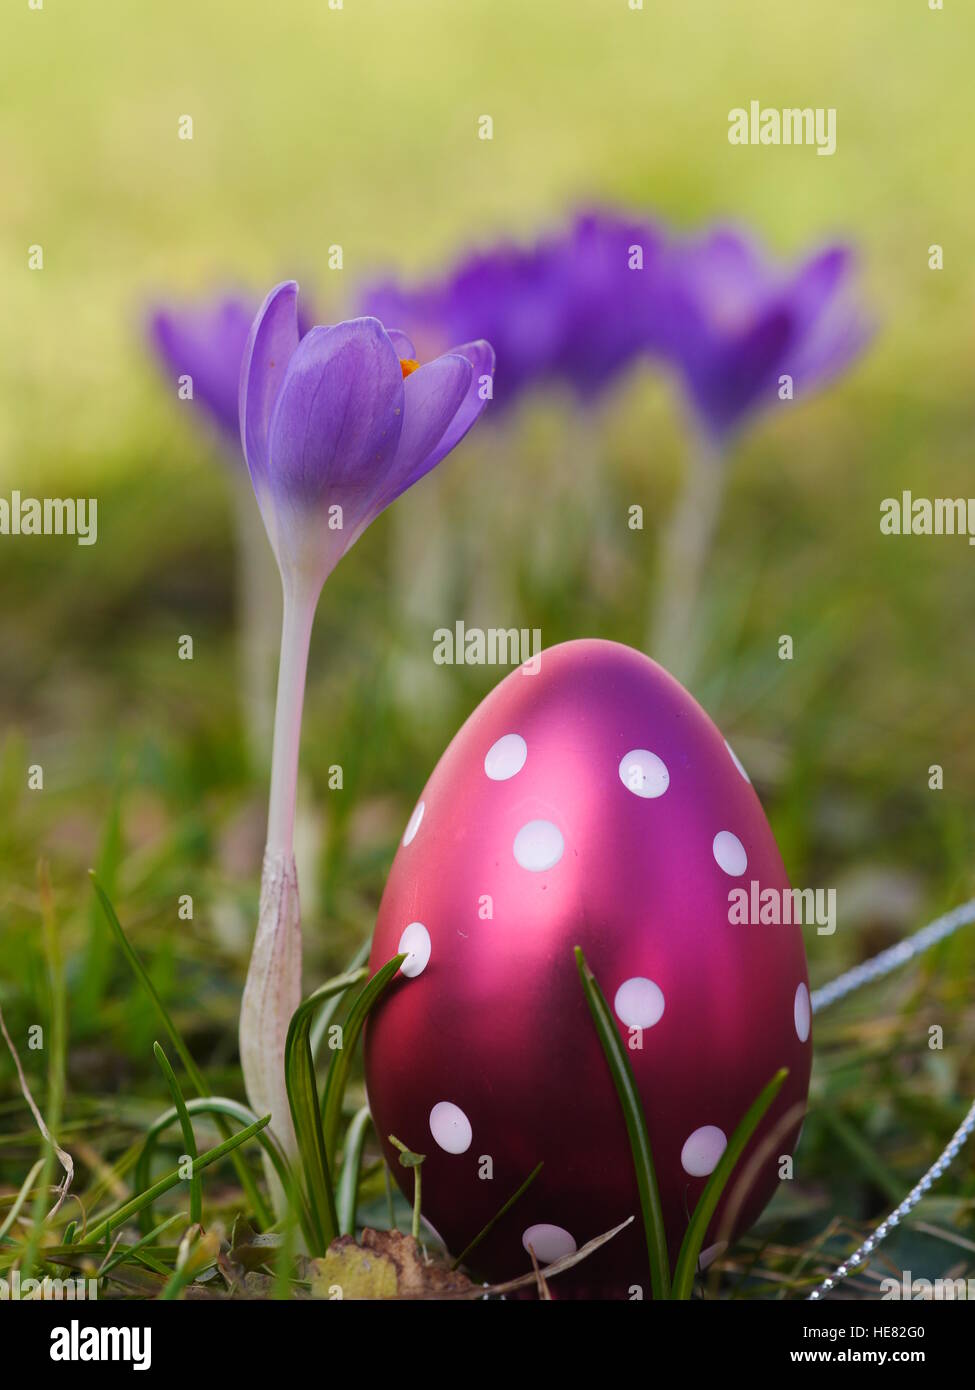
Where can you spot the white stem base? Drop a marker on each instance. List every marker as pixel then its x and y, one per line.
pixel 271 995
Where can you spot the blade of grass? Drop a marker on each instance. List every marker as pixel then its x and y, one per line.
pixel 260 1208
pixel 690 1250
pixel 55 1075
pixel 230 1109
pixel 148 1258
pixel 299 1071
pixel 132 1208
pixel 472 1245
pixel 26 1188
pixel 128 1252
pixel 338 1072
pixel 320 1027
pixel 196 1182
pixel 348 1190
pixel 284 1270
pixel 636 1128
pixel 89 992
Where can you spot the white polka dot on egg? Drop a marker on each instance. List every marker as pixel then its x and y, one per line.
pixel 737 761
pixel 639 1003
pixel 550 1243
pixel 415 941
pixel 729 853
pixel 643 773
pixel 450 1127
pixel 506 757
pixel 702 1150
pixel 413 824
pixel 802 1012
pixel 538 846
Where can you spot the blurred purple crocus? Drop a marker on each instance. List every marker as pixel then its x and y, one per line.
pixel 610 290
pixel 508 295
pixel 205 342
pixel 733 323
pixel 743 334
pixel 576 306
pixel 335 425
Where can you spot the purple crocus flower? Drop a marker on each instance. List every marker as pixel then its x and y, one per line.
pixel 733 322
pixel 335 425
pixel 577 306
pixel 734 325
pixel 206 341
pixel 610 288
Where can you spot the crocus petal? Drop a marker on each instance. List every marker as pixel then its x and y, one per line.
pixel 205 341
pixel 835 340
pixel 820 279
pixel 834 328
pixel 402 345
pixel 337 419
pixel 273 339
pixel 732 255
pixel 612 308
pixel 432 396
pixel 481 357
pixel 741 370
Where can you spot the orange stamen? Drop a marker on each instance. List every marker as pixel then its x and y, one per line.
pixel 407 365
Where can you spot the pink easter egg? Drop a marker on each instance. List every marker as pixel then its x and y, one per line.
pixel 590 802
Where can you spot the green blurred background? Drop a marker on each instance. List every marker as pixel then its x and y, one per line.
pixel 358 127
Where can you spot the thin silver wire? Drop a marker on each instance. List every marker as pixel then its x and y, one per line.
pixel 845 984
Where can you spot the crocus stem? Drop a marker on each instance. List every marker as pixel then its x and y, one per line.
pixel 673 638
pixel 273 988
pixel 258 620
pixel 300 602
pixel 590 430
